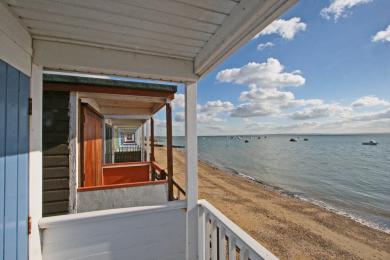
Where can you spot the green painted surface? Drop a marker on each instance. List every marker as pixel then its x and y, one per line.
pixel 109 83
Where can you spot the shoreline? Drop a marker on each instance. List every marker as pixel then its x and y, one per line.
pixel 291 194
pixel 289 227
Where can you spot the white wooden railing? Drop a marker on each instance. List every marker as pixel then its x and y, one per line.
pixel 219 238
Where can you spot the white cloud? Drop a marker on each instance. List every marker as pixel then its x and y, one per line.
pixel 263 46
pixel 253 110
pixel 382 35
pixel 212 110
pixel 372 116
pixel 180 117
pixel 321 111
pixel 269 74
pixel 215 107
pixel 339 8
pixel 369 101
pixel 209 112
pixel 287 29
pixel 264 80
pixel 178 101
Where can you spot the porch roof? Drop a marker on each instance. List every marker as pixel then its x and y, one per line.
pixel 114 83
pixel 135 100
pixel 168 40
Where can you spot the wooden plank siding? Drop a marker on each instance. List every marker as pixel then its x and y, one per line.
pixel 55 153
pixel 14 150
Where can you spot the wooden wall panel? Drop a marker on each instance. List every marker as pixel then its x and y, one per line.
pixel 14 152
pixel 55 153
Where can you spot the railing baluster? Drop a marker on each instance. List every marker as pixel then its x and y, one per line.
pixel 202 234
pixel 232 248
pixel 220 237
pixel 214 238
pixel 207 237
pixel 253 256
pixel 244 253
pixel 222 243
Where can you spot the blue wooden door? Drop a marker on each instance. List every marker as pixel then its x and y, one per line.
pixel 14 148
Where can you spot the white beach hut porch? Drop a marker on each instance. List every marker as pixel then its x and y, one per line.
pixel 178 41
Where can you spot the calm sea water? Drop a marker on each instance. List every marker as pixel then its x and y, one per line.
pixel 334 171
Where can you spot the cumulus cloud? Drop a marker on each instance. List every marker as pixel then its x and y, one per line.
pixel 382 35
pixel 178 101
pixel 209 112
pixel 372 116
pixel 263 46
pixel 215 107
pixel 339 8
pixel 265 81
pixel 287 29
pixel 180 117
pixel 269 74
pixel 320 111
pixel 253 110
pixel 369 101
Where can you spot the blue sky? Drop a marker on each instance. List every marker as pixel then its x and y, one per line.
pixel 323 67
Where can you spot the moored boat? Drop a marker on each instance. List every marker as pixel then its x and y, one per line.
pixel 371 142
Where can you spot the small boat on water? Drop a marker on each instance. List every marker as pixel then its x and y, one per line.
pixel 293 140
pixel 246 141
pixel 371 142
pixel 305 139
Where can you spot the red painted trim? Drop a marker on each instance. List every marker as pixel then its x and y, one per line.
pixel 156 166
pixel 123 185
pixel 108 165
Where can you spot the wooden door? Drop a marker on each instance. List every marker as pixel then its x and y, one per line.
pixel 92 146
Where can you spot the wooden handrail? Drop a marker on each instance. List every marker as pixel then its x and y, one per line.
pixel 178 187
pixel 156 166
pixel 157 172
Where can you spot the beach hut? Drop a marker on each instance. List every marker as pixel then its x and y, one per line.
pixel 174 41
pixel 97 153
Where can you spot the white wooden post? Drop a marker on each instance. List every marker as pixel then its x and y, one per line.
pixel 113 146
pixel 148 140
pixel 191 170
pixel 143 142
pixel 35 164
pixel 73 150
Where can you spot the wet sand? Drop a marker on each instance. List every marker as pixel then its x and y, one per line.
pixel 288 227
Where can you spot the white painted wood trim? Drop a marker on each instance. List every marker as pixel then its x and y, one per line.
pixel 74 57
pixel 113 140
pixel 191 144
pixel 191 169
pixel 143 142
pixel 35 163
pixel 64 220
pixel 148 140
pixel 130 117
pixel 247 19
pixel 15 41
pixel 73 150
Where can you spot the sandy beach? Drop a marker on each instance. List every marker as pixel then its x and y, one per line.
pixel 288 227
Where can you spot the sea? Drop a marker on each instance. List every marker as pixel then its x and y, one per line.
pixel 336 172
